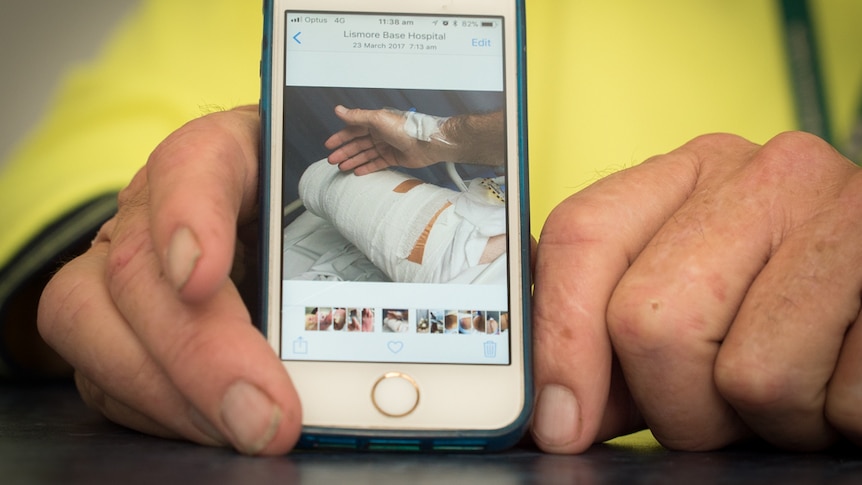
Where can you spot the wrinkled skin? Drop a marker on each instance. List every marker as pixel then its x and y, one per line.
pixel 711 293
pixel 724 279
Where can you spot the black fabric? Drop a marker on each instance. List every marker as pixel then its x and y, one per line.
pixel 27 272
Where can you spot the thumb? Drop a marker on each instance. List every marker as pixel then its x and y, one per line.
pixel 355 116
pixel 202 180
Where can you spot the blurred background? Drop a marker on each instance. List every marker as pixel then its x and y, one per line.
pixel 39 40
pixel 610 83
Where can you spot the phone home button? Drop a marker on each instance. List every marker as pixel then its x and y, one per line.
pixel 395 394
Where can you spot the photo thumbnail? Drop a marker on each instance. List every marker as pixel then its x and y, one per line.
pixel 396 321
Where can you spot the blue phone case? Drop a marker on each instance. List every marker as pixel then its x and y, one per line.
pixel 407 441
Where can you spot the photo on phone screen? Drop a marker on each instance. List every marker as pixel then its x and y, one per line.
pixel 395 189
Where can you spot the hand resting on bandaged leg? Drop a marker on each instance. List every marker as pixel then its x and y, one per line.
pixel 413 231
pixel 378 139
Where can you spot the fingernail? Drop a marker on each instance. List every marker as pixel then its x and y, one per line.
pixel 556 421
pixel 340 109
pixel 183 254
pixel 250 416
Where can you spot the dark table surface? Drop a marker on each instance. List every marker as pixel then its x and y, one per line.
pixel 47 435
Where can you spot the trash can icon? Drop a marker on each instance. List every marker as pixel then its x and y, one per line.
pixel 490 349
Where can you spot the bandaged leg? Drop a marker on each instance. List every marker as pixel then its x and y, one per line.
pixel 413 231
pixel 315 250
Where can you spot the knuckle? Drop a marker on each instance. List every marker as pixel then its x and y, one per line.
pixel 180 147
pixel 216 135
pixel 744 386
pixel 799 144
pixel 756 387
pixel 780 158
pixel 793 160
pixel 631 333
pixel 711 141
pixel 631 327
pixel 574 220
pixel 643 322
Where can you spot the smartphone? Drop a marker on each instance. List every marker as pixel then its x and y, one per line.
pixel 395 229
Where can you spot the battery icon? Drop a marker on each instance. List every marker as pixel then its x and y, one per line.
pixel 487 24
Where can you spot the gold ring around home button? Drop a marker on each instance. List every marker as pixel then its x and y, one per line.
pixel 395 394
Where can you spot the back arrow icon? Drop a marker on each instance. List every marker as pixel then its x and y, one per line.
pixel 296 38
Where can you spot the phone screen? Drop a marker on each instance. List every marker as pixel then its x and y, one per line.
pixel 407 264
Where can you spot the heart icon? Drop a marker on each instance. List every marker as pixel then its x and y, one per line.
pixel 395 346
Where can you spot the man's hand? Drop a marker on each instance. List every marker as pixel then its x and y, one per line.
pixel 157 332
pixel 712 294
pixel 376 139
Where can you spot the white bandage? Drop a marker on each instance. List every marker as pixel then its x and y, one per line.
pixel 413 231
pixel 315 250
pixel 424 127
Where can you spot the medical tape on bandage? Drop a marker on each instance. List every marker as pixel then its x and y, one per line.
pixel 418 252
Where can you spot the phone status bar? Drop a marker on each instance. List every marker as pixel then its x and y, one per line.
pixel 396 21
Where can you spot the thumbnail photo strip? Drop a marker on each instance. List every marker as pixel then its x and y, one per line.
pixel 401 320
